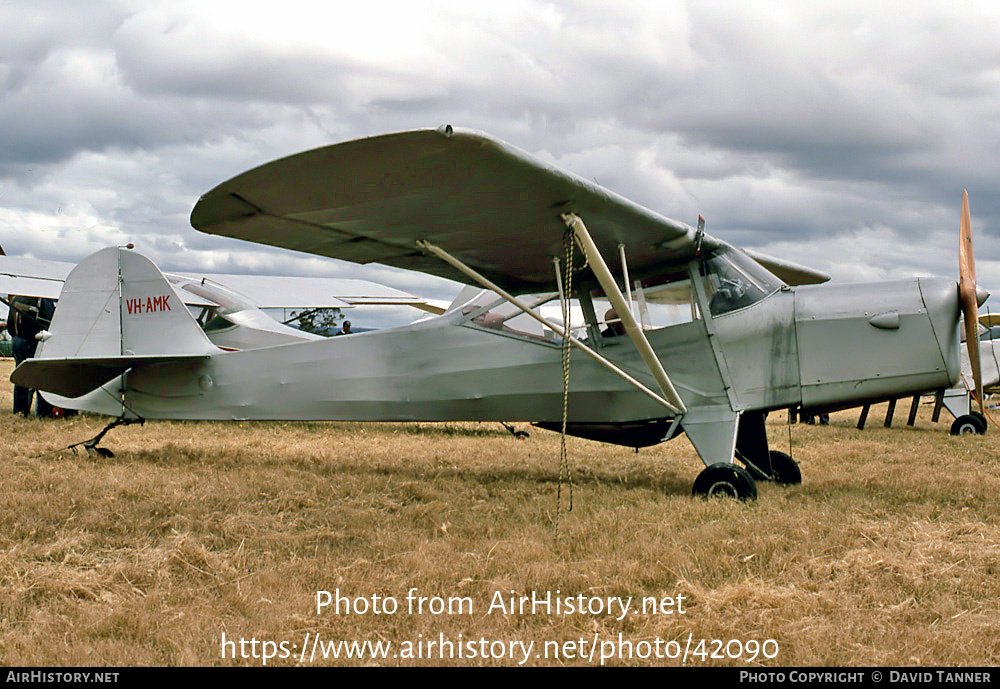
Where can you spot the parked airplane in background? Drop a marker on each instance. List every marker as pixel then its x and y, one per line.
pixel 980 364
pixel 462 205
pixel 959 400
pixel 228 307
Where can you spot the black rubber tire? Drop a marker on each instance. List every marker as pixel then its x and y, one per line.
pixel 967 424
pixel 785 469
pixel 983 424
pixel 725 480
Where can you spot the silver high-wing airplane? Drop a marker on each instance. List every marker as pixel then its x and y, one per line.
pixel 462 205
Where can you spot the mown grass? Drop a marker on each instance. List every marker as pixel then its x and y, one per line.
pixel 888 553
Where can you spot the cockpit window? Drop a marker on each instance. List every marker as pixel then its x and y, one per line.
pixel 490 311
pixel 734 281
pixel 670 303
pixel 228 300
pixel 217 323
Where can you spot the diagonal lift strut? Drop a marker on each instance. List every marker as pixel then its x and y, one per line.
pixel 617 300
pixel 675 408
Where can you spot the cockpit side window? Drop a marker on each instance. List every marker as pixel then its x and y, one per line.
pixel 734 281
pixel 668 303
pixel 494 313
pixel 217 323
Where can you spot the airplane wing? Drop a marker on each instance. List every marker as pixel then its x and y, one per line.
pixel 789 272
pixel 490 204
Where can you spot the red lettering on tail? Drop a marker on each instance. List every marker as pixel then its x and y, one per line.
pixel 160 304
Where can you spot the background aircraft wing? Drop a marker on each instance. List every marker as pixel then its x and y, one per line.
pixel 32 277
pixel 285 292
pixel 989 319
pixel 490 204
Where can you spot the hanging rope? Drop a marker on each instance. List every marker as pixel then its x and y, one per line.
pixel 972 396
pixel 565 475
pixel 790 432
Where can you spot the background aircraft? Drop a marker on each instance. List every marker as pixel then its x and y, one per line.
pixel 459 204
pixel 960 399
pixel 230 308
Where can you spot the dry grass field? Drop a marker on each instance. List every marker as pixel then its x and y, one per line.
pixel 887 554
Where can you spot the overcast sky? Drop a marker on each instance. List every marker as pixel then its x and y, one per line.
pixel 835 134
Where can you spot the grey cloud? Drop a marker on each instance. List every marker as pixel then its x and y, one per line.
pixel 786 127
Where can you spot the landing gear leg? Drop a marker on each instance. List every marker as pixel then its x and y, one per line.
pixel 957 400
pixel 713 433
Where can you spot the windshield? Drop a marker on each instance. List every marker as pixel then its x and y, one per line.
pixel 734 281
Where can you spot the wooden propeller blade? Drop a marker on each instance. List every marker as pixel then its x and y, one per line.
pixel 967 297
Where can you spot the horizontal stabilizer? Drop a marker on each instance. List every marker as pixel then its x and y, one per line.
pixel 76 377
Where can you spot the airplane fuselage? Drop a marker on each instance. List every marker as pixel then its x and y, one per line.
pixel 749 344
pixel 814 347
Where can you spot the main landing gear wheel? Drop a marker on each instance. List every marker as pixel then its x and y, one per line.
pixel 725 480
pixel 785 470
pixel 969 424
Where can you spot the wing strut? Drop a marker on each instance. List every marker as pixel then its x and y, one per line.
pixel 614 295
pixel 628 285
pixel 602 360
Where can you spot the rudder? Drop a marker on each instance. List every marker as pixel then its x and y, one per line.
pixel 116 302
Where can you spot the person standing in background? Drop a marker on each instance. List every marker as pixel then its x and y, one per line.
pixel 28 316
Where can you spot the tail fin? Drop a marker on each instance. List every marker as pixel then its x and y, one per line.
pixel 116 311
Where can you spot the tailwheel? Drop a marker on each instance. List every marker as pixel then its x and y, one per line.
pixel 969 424
pixel 725 480
pixel 784 470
